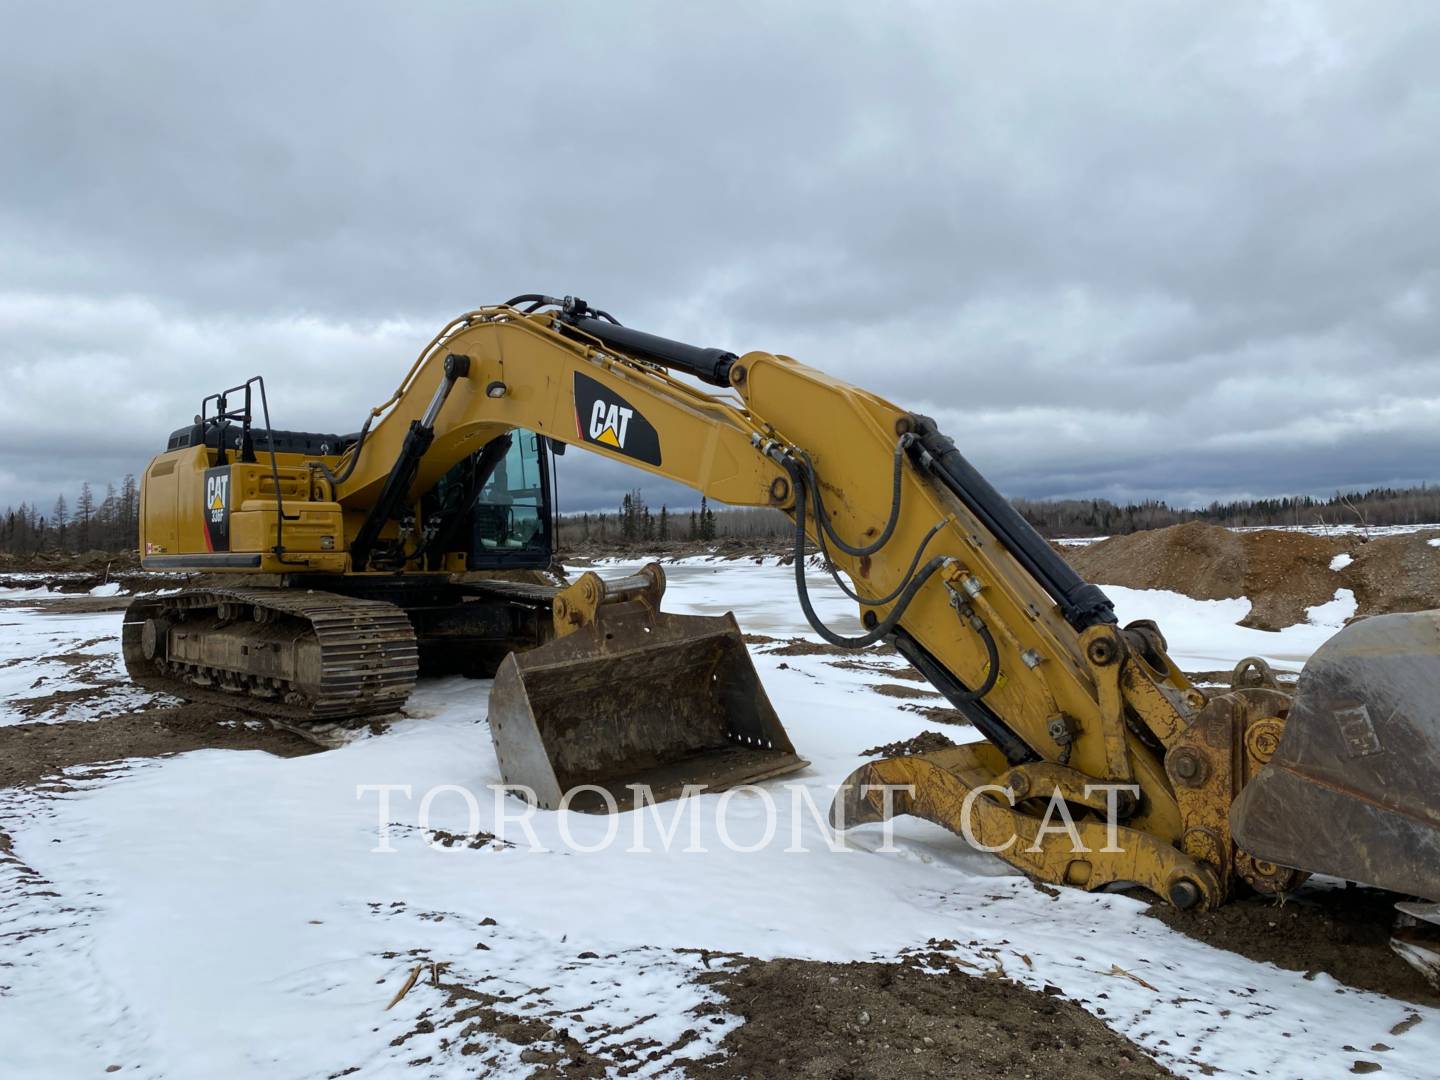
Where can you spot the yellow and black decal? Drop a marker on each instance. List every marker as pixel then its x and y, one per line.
pixel 217 508
pixel 604 418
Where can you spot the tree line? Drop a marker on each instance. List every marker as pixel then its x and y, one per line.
pixel 112 523
pixel 1100 517
pixel 87 524
pixel 634 524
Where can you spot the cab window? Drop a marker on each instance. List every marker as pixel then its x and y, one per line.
pixel 510 512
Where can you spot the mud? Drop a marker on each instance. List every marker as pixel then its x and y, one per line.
pixel 1343 932
pixel 938 714
pixel 808 1019
pixel 923 743
pixel 31 753
pixel 900 690
pixel 797 646
pixel 907 672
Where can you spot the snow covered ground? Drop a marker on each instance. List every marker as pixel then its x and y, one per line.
pixel 58 666
pixel 228 914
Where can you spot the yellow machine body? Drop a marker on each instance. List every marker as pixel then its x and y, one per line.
pixel 1072 705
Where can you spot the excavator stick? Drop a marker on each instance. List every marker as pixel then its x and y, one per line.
pixel 1351 789
pixel 629 695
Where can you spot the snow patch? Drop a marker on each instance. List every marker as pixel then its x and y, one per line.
pixel 1204 635
pixel 1334 613
pixel 1344 559
pixel 110 588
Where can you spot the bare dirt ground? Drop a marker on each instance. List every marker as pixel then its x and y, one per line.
pixel 68 561
pixel 30 753
pixel 888 1020
pixel 919 1017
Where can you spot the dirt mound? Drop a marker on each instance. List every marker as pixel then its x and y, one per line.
pixel 1282 573
pixel 1201 560
pixel 923 743
pixel 1395 573
pixel 808 1019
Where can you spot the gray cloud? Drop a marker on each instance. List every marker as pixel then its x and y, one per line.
pixel 1122 249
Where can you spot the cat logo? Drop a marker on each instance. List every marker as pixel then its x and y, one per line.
pixel 609 425
pixel 217 508
pixel 215 488
pixel 604 418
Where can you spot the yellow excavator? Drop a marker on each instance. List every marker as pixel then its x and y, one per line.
pixel 332 569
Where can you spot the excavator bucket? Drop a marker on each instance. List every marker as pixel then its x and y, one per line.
pixel 633 696
pixel 1353 789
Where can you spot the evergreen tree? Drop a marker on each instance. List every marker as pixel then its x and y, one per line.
pixel 84 516
pixel 130 511
pixel 59 520
pixel 627 518
pixel 663 530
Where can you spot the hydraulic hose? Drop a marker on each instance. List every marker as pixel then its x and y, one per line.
pixel 800 478
pixel 823 519
pixel 992 663
pixel 538 299
pixel 336 479
pixel 887 624
pixel 877 601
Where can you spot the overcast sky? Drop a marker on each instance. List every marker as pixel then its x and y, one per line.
pixel 1118 249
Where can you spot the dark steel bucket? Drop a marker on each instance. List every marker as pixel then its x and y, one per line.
pixel 1353 789
pixel 637 697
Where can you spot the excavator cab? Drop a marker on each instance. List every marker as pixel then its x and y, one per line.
pixel 496 505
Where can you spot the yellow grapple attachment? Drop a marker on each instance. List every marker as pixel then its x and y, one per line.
pixel 627 694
